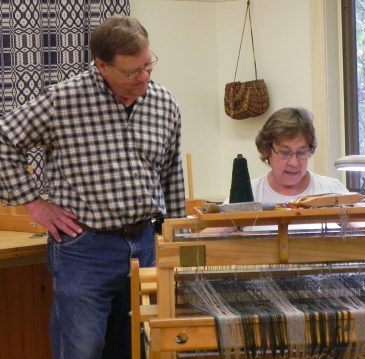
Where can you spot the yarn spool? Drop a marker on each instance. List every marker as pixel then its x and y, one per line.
pixel 241 190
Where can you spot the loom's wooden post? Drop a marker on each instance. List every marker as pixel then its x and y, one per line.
pixel 190 175
pixel 165 292
pixel 283 242
pixel 167 232
pixel 162 278
pixel 165 276
pixel 191 202
pixel 165 308
pixel 135 309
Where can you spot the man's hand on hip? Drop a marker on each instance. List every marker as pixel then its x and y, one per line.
pixel 54 218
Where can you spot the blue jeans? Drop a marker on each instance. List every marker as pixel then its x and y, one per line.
pixel 91 303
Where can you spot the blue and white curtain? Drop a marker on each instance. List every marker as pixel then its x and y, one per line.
pixel 43 42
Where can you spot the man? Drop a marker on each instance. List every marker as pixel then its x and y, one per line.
pixel 112 138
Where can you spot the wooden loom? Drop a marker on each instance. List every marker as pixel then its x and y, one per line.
pixel 169 333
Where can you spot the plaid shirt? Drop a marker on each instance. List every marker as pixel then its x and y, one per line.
pixel 110 170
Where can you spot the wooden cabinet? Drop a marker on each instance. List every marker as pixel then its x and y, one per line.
pixel 25 288
pixel 25 300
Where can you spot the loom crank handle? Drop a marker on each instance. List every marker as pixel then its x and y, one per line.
pixel 181 338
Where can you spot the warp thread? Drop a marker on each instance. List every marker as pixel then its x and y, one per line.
pixel 280 307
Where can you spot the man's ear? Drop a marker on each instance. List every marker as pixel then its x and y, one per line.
pixel 101 65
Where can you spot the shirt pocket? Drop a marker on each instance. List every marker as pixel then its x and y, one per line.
pixel 150 142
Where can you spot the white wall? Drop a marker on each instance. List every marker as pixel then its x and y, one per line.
pixel 283 55
pixel 197 44
pixel 183 35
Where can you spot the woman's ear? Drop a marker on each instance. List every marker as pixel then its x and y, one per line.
pixel 267 156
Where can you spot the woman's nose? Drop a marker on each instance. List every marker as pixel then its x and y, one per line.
pixel 293 160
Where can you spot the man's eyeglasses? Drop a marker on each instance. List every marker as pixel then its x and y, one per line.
pixel 148 67
pixel 287 155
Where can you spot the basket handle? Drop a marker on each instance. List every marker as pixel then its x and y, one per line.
pixel 248 12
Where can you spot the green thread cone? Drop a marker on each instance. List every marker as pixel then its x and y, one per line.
pixel 241 190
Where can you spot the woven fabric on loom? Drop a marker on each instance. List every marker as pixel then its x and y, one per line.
pixel 300 317
pixel 43 42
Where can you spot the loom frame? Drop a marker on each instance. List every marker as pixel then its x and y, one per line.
pixel 162 327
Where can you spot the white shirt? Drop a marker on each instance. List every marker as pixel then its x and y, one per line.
pixel 264 193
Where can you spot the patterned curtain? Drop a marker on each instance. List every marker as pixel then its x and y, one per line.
pixel 43 42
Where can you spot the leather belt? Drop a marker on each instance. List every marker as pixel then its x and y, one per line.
pixel 126 230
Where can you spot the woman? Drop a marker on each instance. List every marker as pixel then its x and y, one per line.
pixel 286 142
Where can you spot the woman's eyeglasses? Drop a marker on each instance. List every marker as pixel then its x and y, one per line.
pixel 287 155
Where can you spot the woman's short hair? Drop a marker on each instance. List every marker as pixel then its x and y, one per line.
pixel 118 35
pixel 286 123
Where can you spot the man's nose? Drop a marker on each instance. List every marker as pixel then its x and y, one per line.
pixel 143 74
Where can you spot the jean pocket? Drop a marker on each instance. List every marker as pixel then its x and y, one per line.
pixel 69 241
